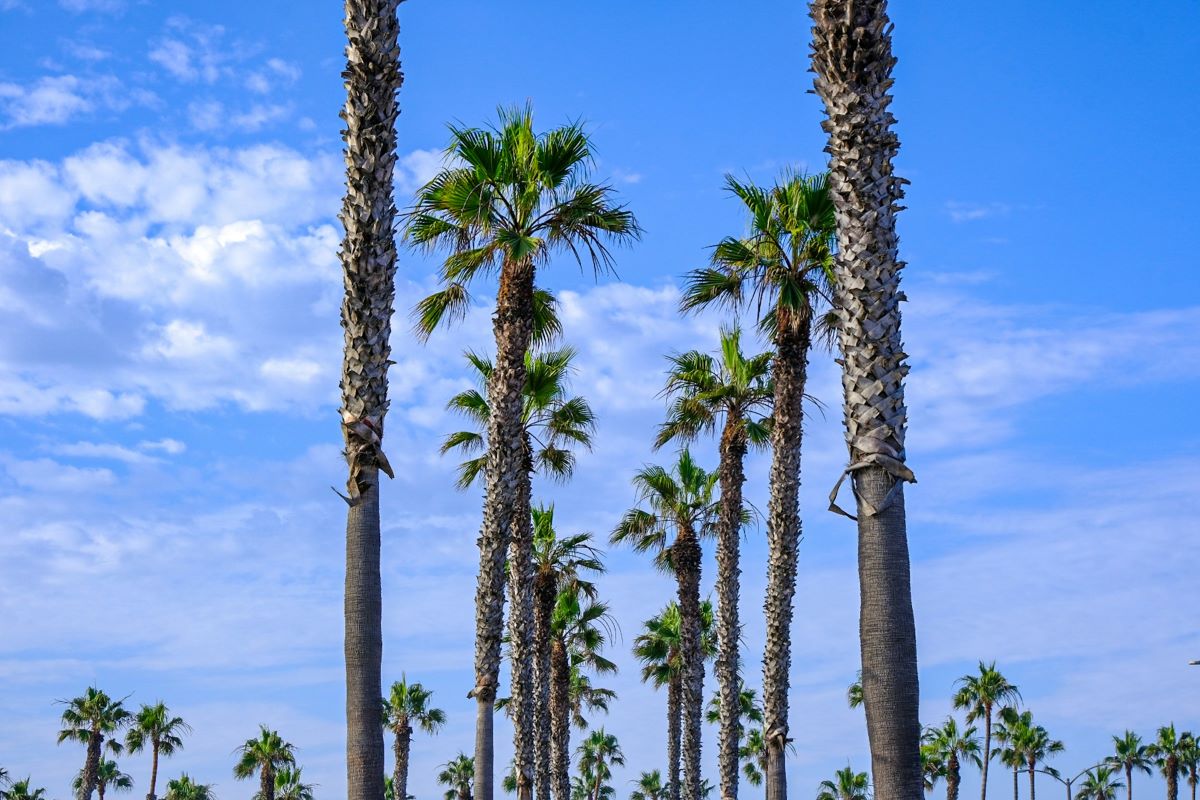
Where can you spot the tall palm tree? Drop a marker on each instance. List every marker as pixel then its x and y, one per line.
pixel 267 755
pixel 1099 784
pixel 732 390
pixel 154 728
pixel 1167 751
pixel 510 199
pixel 1008 725
pixel 852 58
pixel 980 695
pixel 108 776
pixel 598 753
pixel 1189 762
pixel 846 785
pixel 184 788
pixel 368 255
pixel 650 787
pixel 22 790
pixel 782 267
pixel 953 747
pixel 458 774
pixel 290 785
pixel 1130 754
pixel 406 706
pixel 680 510
pixel 92 719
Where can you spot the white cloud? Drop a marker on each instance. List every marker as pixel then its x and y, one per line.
pixel 104 451
pixel 171 447
pixel 92 5
pixel 971 212
pixel 48 101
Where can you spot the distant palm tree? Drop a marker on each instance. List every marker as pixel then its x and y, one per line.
pixel 1035 744
pixel 289 785
pixel 1099 784
pixel 650 787
pixel 1167 752
pixel 952 748
pixel 598 753
pixel 748 706
pixel 108 776
pixel 980 695
pixel 458 775
pixel 735 391
pixel 1131 754
pixel 680 510
pixel 1007 726
pixel 846 785
pixel 21 790
pixel 506 203
pixel 265 755
pixel 92 719
pixel 1189 762
pixel 184 788
pixel 854 692
pixel 154 728
pixel 407 705
pixel 933 766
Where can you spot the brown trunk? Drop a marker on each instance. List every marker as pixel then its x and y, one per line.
pixel 987 753
pixel 364 644
pixel 266 784
pixel 560 722
pixel 520 636
pixel 1129 782
pixel 153 770
pixel 729 531
pixel 1032 775
pixel 674 731
pixel 543 610
pixel 686 556
pixel 403 744
pixel 91 764
pixel 1172 773
pixel 952 777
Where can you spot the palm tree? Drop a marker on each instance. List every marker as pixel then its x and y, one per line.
pixel 1189 762
pixel 458 775
pixel 846 785
pixel 1130 754
pixel 748 705
pixel 933 766
pixel 753 754
pixel 735 391
pixel 92 719
pixel 1008 726
pixel 108 776
pixel 509 201
pixel 1036 745
pixel 980 695
pixel 21 790
pixel 267 755
pixel 784 266
pixel 650 787
pixel 407 705
pixel 680 501
pixel 952 747
pixel 598 753
pixel 289 785
pixel 854 694
pixel 1099 784
pixel 1167 751
pixel 184 788
pixel 154 728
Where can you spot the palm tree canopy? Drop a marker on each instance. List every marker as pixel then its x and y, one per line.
pixel 22 790
pixel 184 788
pixel 553 420
pixel 289 785
pixel 108 775
pixel 948 740
pixel 1099 784
pixel 510 195
pixel 846 785
pixel 561 558
pixel 154 726
pixel 93 711
pixel 659 646
pixel 748 705
pixel 978 694
pixel 854 692
pixel 599 751
pixel 268 751
pixel 1129 753
pixel 408 704
pixel 650 786
pixel 458 775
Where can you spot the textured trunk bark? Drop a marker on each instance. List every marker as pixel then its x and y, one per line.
pixel 1032 783
pixel 153 771
pixel 266 784
pixel 783 537
pixel 1016 784
pixel 403 744
pixel 852 59
pixel 1172 778
pixel 560 720
pixel 1129 782
pixel 520 632
pixel 729 531
pixel 544 593
pixel 674 733
pixel 372 78
pixel 952 777
pixel 987 754
pixel 100 787
pixel 91 764
pixel 686 556
pixel 512 325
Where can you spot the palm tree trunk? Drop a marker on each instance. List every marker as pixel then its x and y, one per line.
pixel 952 777
pixel 520 634
pixel 91 765
pixel 1032 782
pixel 543 610
pixel 266 784
pixel 686 557
pixel 987 756
pixel 100 791
pixel 674 732
pixel 1172 778
pixel 729 531
pixel 783 538
pixel 512 326
pixel 560 722
pixel 153 770
pixel 1129 782
pixel 368 256
pixel 401 749
pixel 852 58
pixel 1016 780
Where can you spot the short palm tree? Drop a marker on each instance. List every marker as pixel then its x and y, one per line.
pixel 650 787
pixel 1130 754
pixel 184 788
pixel 735 392
pixel 406 706
pixel 846 785
pixel 508 200
pixel 1099 784
pixel 108 776
pixel 290 785
pixel 953 747
pixel 1007 726
pixel 93 719
pixel 1168 750
pixel 265 755
pixel 598 753
pixel 154 728
pixel 458 775
pixel 980 695
pixel 1189 762
pixel 680 509
pixel 22 790
pixel 781 267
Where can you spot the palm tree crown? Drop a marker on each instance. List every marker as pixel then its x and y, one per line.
pixel 846 785
pixel 458 775
pixel 650 786
pixel 1099 784
pixel 22 790
pixel 682 498
pixel 108 776
pixel 93 713
pixel 290 785
pixel 266 755
pixel 408 705
pixel 184 788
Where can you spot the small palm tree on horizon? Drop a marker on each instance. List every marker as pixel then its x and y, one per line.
pixel 980 694
pixel 1099 784
pixel 184 788
pixel 458 774
pixel 154 728
pixel 93 719
pixel 405 706
pixel 846 785
pixel 265 755
pixel 1130 754
pixel 108 776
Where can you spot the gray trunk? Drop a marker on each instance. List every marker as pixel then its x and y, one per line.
pixel 686 558
pixel 852 59
pixel 560 721
pixel 1129 782
pixel 485 732
pixel 364 644
pixel 1032 783
pixel 543 610
pixel 674 733
pixel 729 530
pixel 1016 784
pixel 403 744
pixel 91 764
pixel 987 753
pixel 783 537
pixel 153 770
pixel 520 632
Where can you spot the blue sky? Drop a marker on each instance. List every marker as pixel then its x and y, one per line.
pixel 169 351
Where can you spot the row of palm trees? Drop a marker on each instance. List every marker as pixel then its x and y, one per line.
pixel 509 200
